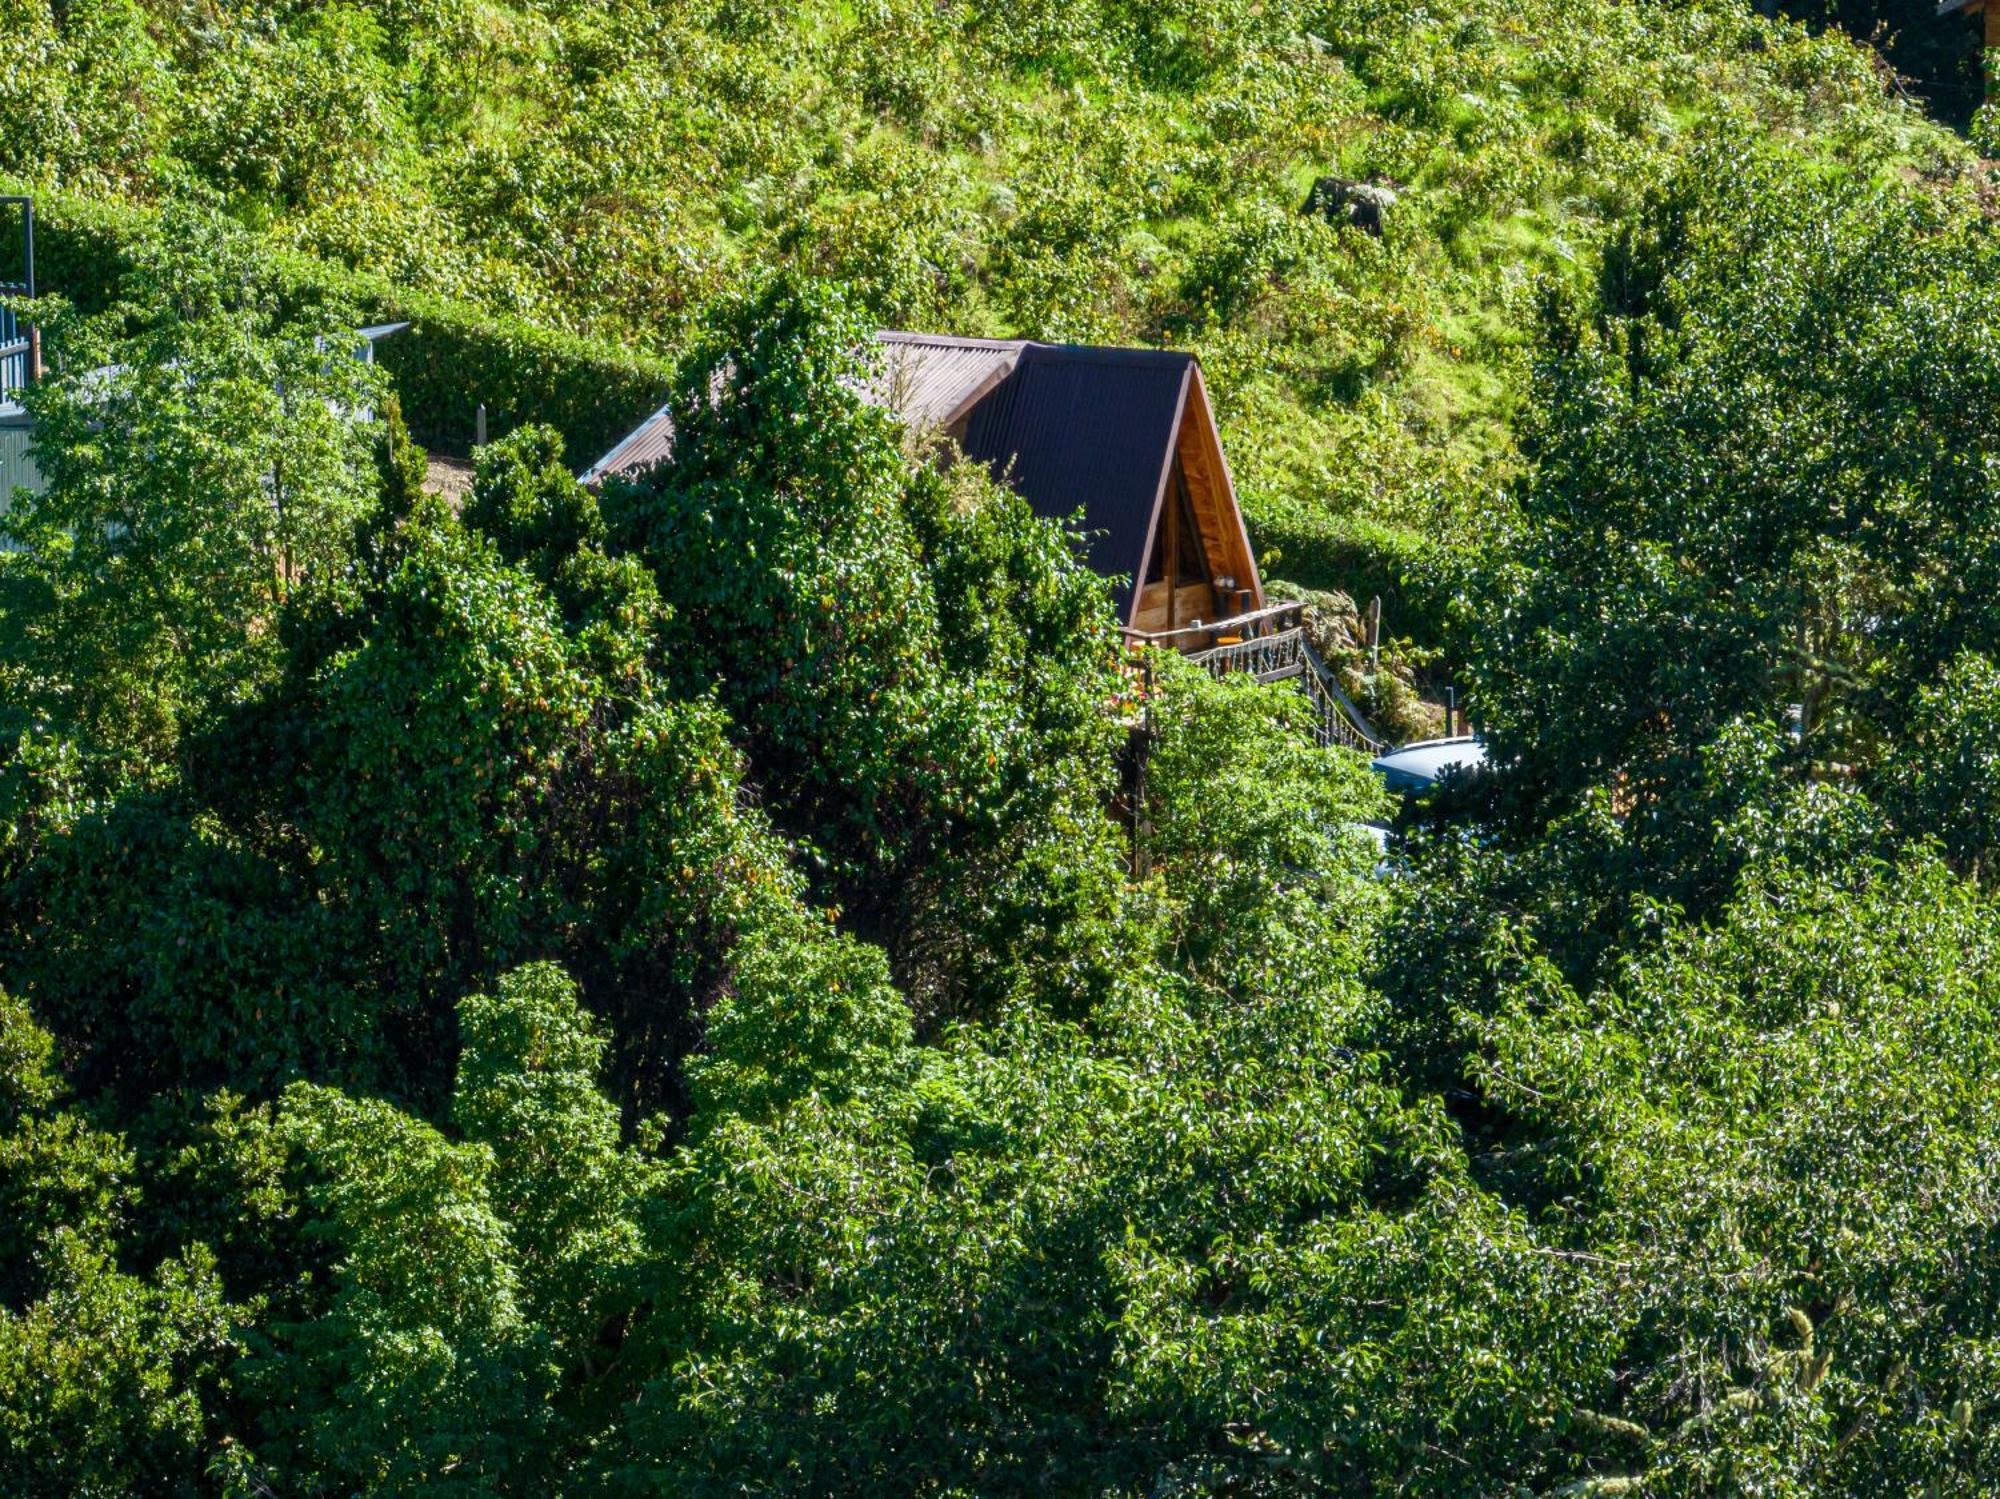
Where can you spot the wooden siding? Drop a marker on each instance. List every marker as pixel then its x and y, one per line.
pixel 1225 544
pixel 1223 538
pixel 1191 601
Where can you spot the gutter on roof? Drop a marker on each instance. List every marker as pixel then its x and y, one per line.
pixel 946 340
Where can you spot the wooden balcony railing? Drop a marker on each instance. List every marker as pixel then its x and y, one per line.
pixel 1202 635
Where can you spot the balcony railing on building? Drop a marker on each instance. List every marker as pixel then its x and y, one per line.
pixel 1271 645
pixel 18 349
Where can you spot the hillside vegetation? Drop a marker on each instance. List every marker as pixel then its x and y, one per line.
pixel 1096 172
pixel 740 982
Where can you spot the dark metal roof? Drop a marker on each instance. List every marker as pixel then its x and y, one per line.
pixel 1091 430
pixel 1072 428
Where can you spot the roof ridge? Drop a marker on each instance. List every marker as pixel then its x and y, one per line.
pixel 948 340
pixel 1108 352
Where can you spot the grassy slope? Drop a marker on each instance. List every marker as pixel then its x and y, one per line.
pixel 1104 171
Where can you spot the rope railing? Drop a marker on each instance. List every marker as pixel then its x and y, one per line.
pixel 1203 633
pixel 1344 723
pixel 1288 654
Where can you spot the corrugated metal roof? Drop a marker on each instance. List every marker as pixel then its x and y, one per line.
pixel 648 443
pixel 1091 430
pixel 929 380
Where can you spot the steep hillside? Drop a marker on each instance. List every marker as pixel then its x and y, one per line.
pixel 1098 171
pixel 731 983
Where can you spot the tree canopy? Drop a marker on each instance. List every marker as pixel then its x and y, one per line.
pixel 740 981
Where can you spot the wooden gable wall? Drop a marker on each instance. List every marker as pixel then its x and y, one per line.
pixel 1225 543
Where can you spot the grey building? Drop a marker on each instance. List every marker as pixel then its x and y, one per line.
pixel 17 465
pixel 17 469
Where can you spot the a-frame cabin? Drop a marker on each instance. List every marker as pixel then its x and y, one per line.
pixel 1124 439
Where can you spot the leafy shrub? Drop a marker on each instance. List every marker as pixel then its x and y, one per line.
pixel 453 359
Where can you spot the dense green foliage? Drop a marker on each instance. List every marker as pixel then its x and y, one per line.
pixel 736 983
pixel 455 357
pixel 1099 171
pixel 1762 479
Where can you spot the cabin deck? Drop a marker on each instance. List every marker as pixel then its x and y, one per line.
pixel 1271 645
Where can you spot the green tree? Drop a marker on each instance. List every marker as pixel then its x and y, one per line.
pixel 1145 1250
pixel 1943 780
pixel 475 1289
pixel 103 1373
pixel 1760 483
pixel 420 1370
pixel 197 472
pixel 540 517
pixel 914 665
pixel 529 1089
pixel 1772 1142
pixel 488 788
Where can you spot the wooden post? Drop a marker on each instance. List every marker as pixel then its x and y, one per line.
pixel 1139 747
pixel 479 426
pixel 1375 635
pixel 34 354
